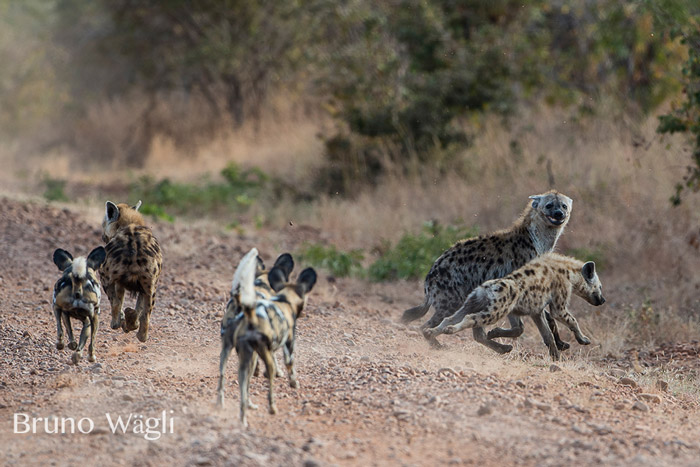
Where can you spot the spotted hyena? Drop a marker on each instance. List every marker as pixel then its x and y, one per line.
pixel 472 261
pixel 133 263
pixel 547 280
pixel 77 295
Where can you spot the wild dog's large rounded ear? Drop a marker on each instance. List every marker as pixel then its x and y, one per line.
pixel 535 200
pixel 137 206
pixel 96 258
pixel 306 281
pixel 588 271
pixel 286 263
pixel 276 278
pixel 260 267
pixel 62 259
pixel 111 212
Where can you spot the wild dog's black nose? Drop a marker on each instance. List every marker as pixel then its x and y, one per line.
pixel 602 300
pixel 76 295
pixel 558 214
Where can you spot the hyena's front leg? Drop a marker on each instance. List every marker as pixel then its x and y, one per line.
pixel 59 329
pixel 145 312
pixel 115 294
pixel 565 317
pixel 546 334
pixel 69 330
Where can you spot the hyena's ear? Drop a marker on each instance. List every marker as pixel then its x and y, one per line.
pixel 62 259
pixel 276 278
pixel 96 258
pixel 535 200
pixel 588 271
pixel 305 281
pixel 137 206
pixel 286 263
pixel 111 212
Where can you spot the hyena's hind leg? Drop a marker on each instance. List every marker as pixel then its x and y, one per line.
pixel 115 294
pixel 561 345
pixel 546 334
pixel 516 328
pixel 481 338
pixel 144 312
pixel 443 309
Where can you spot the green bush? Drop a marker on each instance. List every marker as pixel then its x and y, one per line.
pixel 597 255
pixel 413 255
pixel 55 189
pixel 338 263
pixel 238 190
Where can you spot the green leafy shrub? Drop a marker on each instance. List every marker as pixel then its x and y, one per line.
pixel 156 211
pixel 55 189
pixel 238 190
pixel 413 255
pixel 597 255
pixel 339 263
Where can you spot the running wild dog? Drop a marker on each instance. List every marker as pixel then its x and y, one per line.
pixel 77 295
pixel 234 315
pixel 470 262
pixel 133 263
pixel 548 280
pixel 266 326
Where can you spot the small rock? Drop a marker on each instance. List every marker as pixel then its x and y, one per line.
pixel 485 409
pixel 311 463
pixel 641 406
pixel 127 397
pixel 662 385
pixel 617 372
pixel 364 358
pixel 201 460
pixel 554 368
pixel 650 397
pixel 619 405
pixel 627 382
pixel 520 384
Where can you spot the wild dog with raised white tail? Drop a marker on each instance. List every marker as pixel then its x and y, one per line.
pixel 133 263
pixel 266 326
pixel 77 295
pixel 472 261
pixel 548 280
pixel 233 315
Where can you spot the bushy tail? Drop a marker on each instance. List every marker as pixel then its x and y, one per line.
pixel 243 286
pixel 416 312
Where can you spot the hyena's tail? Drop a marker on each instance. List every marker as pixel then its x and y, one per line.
pixel 416 312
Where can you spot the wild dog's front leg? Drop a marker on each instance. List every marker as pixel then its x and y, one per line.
pixel 289 363
pixel 94 323
pixel 546 334
pixel 115 294
pixel 59 329
pixel 69 330
pixel 83 339
pixel 565 317
pixel 268 358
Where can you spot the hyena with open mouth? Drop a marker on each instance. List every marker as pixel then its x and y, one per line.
pixel 77 295
pixel 472 261
pixel 133 263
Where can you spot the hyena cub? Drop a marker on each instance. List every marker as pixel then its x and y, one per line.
pixel 266 326
pixel 133 263
pixel 472 261
pixel 77 295
pixel 548 280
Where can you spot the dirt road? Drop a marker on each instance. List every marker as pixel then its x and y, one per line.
pixel 372 391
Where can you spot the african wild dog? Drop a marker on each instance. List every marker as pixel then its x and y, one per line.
pixel 472 261
pixel 133 263
pixel 266 326
pixel 547 280
pixel 233 315
pixel 77 295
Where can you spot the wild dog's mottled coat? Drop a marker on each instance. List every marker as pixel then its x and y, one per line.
pixel 548 280
pixel 266 326
pixel 77 295
pixel 133 263
pixel 472 261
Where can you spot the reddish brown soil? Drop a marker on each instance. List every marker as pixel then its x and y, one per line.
pixel 372 391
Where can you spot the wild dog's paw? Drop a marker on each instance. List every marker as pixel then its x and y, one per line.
pixel 73 345
pixel 76 357
pixel 293 383
pixel 273 409
pixel 60 345
pixel 252 406
pixel 131 320
pixel 92 358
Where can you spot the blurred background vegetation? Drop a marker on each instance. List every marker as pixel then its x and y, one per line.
pixel 401 82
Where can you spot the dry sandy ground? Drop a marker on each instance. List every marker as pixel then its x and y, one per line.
pixel 372 392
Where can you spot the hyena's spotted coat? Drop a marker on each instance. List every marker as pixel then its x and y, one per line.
pixel 471 262
pixel 133 263
pixel 548 280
